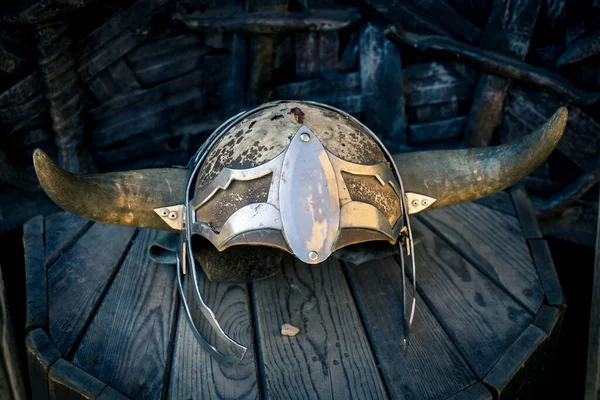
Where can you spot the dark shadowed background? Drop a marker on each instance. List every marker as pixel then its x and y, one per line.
pixel 116 85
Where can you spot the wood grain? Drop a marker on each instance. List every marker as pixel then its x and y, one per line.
pixel 516 356
pixel 524 209
pixel 382 86
pixel 78 280
pixel 592 376
pixel 194 373
pixel 109 393
pixel 61 230
pixel 35 274
pixel 477 391
pixel 481 319
pixel 67 382
pixel 331 356
pixel 501 202
pixel 546 271
pixel 129 342
pixel 41 354
pixel 494 244
pixel 432 368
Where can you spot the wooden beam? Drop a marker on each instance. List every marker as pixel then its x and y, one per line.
pixel 592 376
pixel 509 32
pixel 382 86
pixel 269 22
pixel 35 274
pixel 41 354
pixel 494 63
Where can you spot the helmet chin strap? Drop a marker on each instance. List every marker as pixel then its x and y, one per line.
pixel 235 352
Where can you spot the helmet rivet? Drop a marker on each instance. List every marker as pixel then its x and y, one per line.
pixel 415 203
pixel 313 255
pixel 164 212
pixel 172 215
pixel 424 202
pixel 305 137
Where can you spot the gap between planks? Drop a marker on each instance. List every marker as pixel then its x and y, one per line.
pixel 477 266
pixel 69 355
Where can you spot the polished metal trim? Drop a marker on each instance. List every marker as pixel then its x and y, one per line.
pixel 418 202
pixel 174 216
pixel 309 199
pixel 357 214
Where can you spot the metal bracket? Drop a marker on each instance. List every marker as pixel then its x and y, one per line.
pixel 418 202
pixel 174 216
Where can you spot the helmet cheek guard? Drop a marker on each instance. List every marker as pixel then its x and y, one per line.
pixel 299 177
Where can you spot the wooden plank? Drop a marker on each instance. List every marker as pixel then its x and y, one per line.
pixel 382 86
pixel 548 275
pixel 449 18
pixel 41 354
pixel 11 379
pixel 500 201
pixel 517 355
pixel 138 337
pixel 103 86
pixel 130 17
pixel 67 382
pixel 481 319
pixel 316 53
pixel 268 22
pixel 109 393
pixel 30 108
pixel 234 87
pixel 414 18
pixel 108 54
pixel 509 32
pixel 580 141
pixel 62 229
pixel 36 312
pixel 433 112
pixel 21 91
pixel 144 98
pixel 78 280
pixel 330 357
pixel 432 368
pixel 133 121
pixel 592 375
pixel 330 84
pixel 122 75
pixel 547 318
pixel 434 83
pixel 482 236
pixel 169 65
pixel 529 226
pixel 194 373
pixel 437 130
pixel 477 391
pixel 145 53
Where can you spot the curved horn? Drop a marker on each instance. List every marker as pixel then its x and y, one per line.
pixel 456 176
pixel 122 198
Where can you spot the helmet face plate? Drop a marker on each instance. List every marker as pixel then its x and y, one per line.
pixel 311 181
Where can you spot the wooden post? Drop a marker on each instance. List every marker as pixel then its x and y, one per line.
pixel 509 32
pixel 592 381
pixel 11 381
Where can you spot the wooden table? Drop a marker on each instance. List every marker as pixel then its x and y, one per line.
pixel 105 322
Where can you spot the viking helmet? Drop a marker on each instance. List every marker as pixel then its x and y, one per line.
pixel 302 177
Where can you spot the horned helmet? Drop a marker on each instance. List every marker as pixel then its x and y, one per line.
pixel 291 176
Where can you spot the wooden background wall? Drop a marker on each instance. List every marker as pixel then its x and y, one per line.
pixel 119 85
